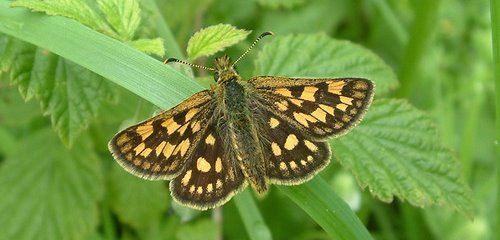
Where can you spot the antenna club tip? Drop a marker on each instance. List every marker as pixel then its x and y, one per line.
pixel 266 34
pixel 169 60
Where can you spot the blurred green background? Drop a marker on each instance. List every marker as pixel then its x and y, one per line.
pixel 57 178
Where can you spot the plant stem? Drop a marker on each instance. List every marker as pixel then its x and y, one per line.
pixel 327 209
pixel 495 26
pixel 250 214
pixel 426 14
pixel 392 21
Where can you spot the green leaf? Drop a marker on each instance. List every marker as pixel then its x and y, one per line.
pixel 149 46
pixel 77 10
pixel 49 192
pixel 320 56
pixel 214 39
pixel 136 202
pixel 116 61
pixel 280 3
pixel 307 18
pixel 201 230
pixel 250 214
pixel 327 209
pixel 70 94
pixel 123 16
pixel 395 151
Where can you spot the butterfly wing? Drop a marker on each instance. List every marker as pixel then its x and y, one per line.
pixel 211 176
pixel 158 147
pixel 318 107
pixel 298 116
pixel 292 157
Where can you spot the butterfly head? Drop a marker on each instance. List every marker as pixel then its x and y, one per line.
pixel 224 70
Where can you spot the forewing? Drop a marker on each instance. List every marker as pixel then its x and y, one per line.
pixel 318 107
pixel 211 177
pixel 158 147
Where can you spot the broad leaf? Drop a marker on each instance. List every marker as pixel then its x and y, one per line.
pixel 70 94
pixel 149 46
pixel 214 39
pixel 135 201
pixel 49 192
pixel 395 151
pixel 123 16
pixel 77 10
pixel 320 56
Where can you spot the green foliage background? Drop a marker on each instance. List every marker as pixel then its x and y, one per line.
pixel 421 165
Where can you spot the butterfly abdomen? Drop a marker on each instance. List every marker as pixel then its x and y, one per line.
pixel 242 134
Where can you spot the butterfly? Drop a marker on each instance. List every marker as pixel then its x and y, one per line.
pixel 267 130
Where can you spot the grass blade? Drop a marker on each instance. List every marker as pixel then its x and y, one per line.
pixel 327 209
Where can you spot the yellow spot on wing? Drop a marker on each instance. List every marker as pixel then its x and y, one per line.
pixel 186 178
pixel 346 100
pixel 210 187
pixel 195 127
pixel 358 95
pixel 284 92
pixel 276 149
pixel 170 125
pixel 202 164
pixel 184 146
pixel 311 146
pixel 341 106
pixel 327 109
pixel 183 129
pixel 199 190
pixel 146 152
pixel 273 122
pixel 308 93
pixel 297 102
pixel 282 106
pixel 283 166
pixel 218 165
pixel 191 113
pixel 122 139
pixel 336 87
pixel 291 142
pixel 167 151
pixel 139 148
pixel 218 184
pixel 293 165
pixel 144 130
pixel 210 140
pixel 300 118
pixel 159 148
pixel 319 114
pixel 361 85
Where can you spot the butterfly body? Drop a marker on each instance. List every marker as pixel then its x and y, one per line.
pixel 261 131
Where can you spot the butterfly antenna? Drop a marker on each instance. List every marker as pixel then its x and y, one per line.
pixel 189 64
pixel 253 45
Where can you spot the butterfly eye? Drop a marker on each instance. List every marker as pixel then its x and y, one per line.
pixel 216 76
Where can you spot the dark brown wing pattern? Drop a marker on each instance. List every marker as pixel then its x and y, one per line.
pixel 157 148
